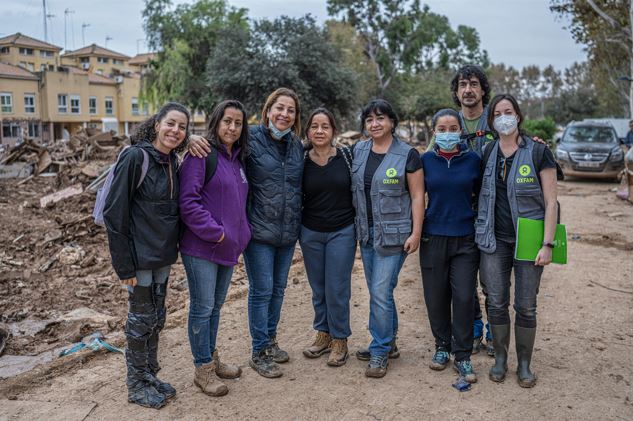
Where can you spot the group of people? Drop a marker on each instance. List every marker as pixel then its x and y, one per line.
pixel 255 191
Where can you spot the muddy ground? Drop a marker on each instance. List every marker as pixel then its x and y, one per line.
pixel 582 357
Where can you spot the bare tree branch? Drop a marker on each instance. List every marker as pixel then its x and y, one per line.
pixel 609 19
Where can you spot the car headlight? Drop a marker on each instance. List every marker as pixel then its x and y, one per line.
pixel 562 154
pixel 617 154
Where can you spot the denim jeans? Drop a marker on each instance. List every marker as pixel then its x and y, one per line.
pixel 329 258
pixel 208 285
pixel 145 278
pixel 495 270
pixel 267 269
pixel 381 274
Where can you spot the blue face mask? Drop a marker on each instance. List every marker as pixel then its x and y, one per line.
pixel 277 134
pixel 447 140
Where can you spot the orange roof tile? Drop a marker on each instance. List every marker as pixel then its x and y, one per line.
pixel 22 40
pixel 142 58
pixel 96 79
pixel 95 50
pixel 14 72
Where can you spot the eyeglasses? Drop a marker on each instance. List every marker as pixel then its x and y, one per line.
pixel 503 169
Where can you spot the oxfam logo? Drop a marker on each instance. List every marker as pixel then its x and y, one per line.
pixel 525 170
pixel 391 172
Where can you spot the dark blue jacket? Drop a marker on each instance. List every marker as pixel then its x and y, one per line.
pixel 274 169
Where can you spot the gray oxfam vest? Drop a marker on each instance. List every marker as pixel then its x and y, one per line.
pixel 391 202
pixel 524 194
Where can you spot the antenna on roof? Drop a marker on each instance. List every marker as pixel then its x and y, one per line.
pixel 107 38
pixel 66 13
pixel 44 15
pixel 83 32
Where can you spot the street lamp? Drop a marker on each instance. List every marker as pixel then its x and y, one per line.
pixel 83 32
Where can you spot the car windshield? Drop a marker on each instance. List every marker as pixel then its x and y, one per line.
pixel 591 134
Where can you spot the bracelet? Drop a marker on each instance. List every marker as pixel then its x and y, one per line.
pixel 550 245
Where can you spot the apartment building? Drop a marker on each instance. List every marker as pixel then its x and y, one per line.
pixel 96 59
pixel 29 53
pixel 20 109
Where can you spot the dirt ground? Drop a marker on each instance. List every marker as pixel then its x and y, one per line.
pixel 582 357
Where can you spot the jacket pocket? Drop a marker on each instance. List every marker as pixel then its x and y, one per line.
pixel 529 203
pixel 394 233
pixel 390 201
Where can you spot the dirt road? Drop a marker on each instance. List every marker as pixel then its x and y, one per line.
pixel 583 351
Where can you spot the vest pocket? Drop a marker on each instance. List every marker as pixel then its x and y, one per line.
pixel 528 202
pixel 390 201
pixel 395 233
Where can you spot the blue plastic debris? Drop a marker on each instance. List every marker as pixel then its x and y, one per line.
pixel 95 342
pixel 462 385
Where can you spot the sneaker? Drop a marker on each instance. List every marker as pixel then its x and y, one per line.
pixel 264 365
pixel 339 353
pixel 279 355
pixel 477 344
pixel 320 346
pixel 465 370
pixel 377 367
pixel 490 349
pixel 363 354
pixel 440 360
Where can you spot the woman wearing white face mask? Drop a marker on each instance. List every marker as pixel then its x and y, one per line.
pixel 449 257
pixel 519 180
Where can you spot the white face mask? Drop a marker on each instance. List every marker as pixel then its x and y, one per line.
pixel 505 124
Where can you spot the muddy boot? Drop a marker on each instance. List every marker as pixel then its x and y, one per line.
pixel 320 346
pixel 159 292
pixel 501 342
pixel 225 371
pixel 264 365
pixel 524 340
pixel 363 354
pixel 205 379
pixel 339 353
pixel 140 324
pixel 279 355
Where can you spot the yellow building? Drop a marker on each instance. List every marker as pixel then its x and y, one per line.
pixel 20 109
pixel 96 59
pixel 29 53
pixel 140 62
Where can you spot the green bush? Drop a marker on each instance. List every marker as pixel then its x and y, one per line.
pixel 545 128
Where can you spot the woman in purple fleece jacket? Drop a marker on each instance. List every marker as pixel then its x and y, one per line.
pixel 216 231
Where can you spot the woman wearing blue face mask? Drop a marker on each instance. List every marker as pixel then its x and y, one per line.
pixel 449 257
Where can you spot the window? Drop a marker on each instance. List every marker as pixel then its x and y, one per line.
pixel 135 106
pixel 29 103
pixel 34 129
pixel 62 103
pixel 10 129
pixel 30 66
pixel 84 59
pixel 26 51
pixel 5 50
pixel 92 105
pixel 108 105
pixel 75 107
pixel 102 60
pixel 145 108
pixel 51 67
pixel 6 102
pixel 117 62
pixel 44 53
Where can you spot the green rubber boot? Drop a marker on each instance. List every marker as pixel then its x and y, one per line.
pixel 524 339
pixel 500 342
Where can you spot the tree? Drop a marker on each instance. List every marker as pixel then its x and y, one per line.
pixel 400 36
pixel 606 27
pixel 184 38
pixel 295 53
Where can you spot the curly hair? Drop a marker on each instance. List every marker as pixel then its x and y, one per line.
pixel 466 72
pixel 146 131
pixel 214 124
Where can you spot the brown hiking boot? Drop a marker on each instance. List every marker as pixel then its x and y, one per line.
pixel 320 346
pixel 225 371
pixel 339 353
pixel 205 379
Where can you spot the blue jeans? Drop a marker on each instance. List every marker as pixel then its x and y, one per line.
pixel 381 273
pixel 495 270
pixel 267 269
pixel 145 278
pixel 208 285
pixel 329 258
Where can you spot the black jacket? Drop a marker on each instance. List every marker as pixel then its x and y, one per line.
pixel 274 169
pixel 143 223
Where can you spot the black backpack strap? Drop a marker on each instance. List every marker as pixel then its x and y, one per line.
pixel 486 151
pixel 211 164
pixel 347 155
pixel 537 157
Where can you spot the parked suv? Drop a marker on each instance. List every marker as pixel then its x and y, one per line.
pixel 590 150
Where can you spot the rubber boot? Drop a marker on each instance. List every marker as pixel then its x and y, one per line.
pixel 141 321
pixel 159 292
pixel 524 340
pixel 501 342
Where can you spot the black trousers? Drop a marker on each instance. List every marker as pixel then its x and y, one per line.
pixel 449 277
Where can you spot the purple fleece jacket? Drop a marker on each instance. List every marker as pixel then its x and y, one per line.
pixel 217 208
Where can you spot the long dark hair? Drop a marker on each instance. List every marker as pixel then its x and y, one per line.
pixel 146 131
pixel 379 106
pixel 466 72
pixel 491 113
pixel 214 123
pixel 314 113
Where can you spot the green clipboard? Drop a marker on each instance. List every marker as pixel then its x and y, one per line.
pixel 530 240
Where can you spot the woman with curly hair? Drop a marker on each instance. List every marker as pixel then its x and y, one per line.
pixel 142 221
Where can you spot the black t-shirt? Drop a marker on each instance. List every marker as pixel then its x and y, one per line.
pixel 374 160
pixel 327 195
pixel 504 227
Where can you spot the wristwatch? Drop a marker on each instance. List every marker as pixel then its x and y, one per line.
pixel 546 244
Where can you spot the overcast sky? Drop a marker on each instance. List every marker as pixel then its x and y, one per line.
pixel 515 32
